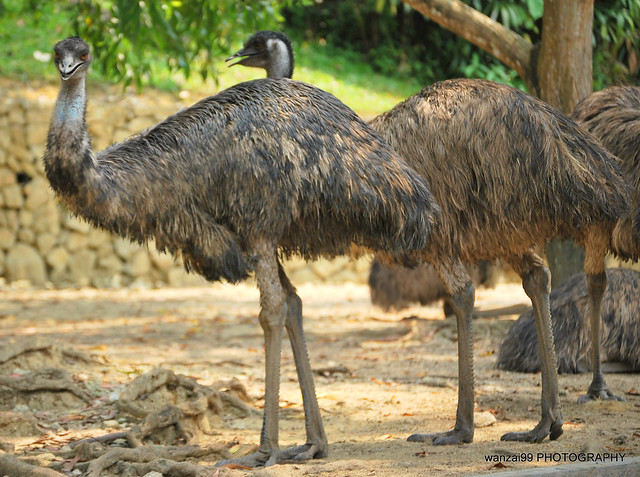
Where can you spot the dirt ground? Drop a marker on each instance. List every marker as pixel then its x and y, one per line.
pixel 379 378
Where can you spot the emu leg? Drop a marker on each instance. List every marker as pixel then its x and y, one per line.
pixel 316 445
pixel 462 304
pixel 273 313
pixel 596 285
pixel 536 283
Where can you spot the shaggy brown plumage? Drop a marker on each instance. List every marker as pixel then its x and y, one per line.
pixel 569 310
pixel 265 168
pixel 510 173
pixel 613 116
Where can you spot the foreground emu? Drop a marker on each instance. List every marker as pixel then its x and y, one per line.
pixel 618 338
pixel 265 168
pixel 510 173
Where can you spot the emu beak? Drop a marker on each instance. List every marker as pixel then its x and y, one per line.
pixel 244 54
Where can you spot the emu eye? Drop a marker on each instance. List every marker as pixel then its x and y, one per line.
pixel 57 55
pixel 84 56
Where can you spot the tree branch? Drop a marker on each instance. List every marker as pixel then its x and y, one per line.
pixel 512 49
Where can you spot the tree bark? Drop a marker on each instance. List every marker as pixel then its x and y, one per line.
pixel 565 77
pixel 565 60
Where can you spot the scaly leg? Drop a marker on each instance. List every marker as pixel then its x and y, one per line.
pixel 462 295
pixel 536 283
pixel 273 313
pixel 596 285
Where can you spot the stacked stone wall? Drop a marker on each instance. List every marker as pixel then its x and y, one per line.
pixel 42 243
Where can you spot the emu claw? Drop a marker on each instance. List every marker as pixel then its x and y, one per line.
pixel 454 436
pixel 537 434
pixel 602 393
pixel 264 458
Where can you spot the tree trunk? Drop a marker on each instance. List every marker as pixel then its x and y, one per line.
pixel 564 78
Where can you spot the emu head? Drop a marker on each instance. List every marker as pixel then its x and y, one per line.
pixel 267 49
pixel 72 57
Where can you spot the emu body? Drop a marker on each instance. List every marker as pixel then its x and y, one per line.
pixel 263 169
pixel 510 173
pixel 618 338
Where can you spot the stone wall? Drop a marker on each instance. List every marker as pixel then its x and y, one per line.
pixel 42 243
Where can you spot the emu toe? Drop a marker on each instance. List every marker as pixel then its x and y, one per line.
pixel 454 436
pixel 291 454
pixel 601 393
pixel 537 434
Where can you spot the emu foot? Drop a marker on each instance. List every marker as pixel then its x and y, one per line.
pixel 454 436
pixel 292 454
pixel 538 433
pixel 601 392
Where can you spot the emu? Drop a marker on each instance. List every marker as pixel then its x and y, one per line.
pixel 613 116
pixel 393 287
pixel 262 170
pixel 569 308
pixel 509 172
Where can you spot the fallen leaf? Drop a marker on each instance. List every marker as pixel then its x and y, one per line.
pixel 499 465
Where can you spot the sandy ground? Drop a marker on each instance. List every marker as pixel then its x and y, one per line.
pixel 400 378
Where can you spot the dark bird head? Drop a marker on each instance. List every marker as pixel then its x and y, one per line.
pixel 267 49
pixel 72 57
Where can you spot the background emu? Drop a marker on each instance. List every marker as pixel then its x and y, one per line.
pixel 613 116
pixel 394 287
pixel 569 308
pixel 510 173
pixel 265 168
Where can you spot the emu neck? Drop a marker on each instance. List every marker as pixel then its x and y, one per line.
pixel 71 103
pixel 68 157
pixel 281 64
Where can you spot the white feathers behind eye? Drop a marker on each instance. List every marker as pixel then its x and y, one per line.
pixel 279 55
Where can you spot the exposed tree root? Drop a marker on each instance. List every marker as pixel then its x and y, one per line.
pixel 36 352
pixel 160 457
pixel 176 408
pixel 50 379
pixel 11 466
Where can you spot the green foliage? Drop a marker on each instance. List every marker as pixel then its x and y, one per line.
pixel 130 37
pixel 616 42
pixel 398 41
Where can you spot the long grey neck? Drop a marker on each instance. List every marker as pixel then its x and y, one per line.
pixel 71 103
pixel 69 161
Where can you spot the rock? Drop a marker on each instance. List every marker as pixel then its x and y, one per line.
pixel 23 262
pixel 124 248
pixel 110 263
pixel 74 223
pixel 13 198
pixel 37 192
pixel 7 178
pixel 483 419
pixel 81 265
pixel 7 238
pixel 26 235
pixel 57 259
pixel 139 265
pixel 77 241
pixel 162 261
pixel 45 242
